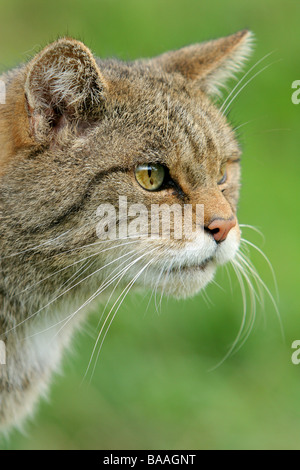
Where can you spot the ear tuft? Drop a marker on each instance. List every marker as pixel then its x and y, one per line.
pixel 238 49
pixel 63 80
pixel 210 64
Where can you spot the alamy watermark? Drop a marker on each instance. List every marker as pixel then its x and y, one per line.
pixel 296 354
pixel 2 353
pixel 159 221
pixel 296 95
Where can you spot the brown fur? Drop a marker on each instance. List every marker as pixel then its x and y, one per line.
pixel 72 132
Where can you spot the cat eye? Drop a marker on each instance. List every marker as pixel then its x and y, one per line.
pixel 223 174
pixel 150 176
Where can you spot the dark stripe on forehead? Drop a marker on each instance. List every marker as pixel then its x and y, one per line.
pixel 200 130
pixel 188 129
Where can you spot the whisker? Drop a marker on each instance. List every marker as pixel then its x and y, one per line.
pixel 116 286
pixel 255 229
pixel 205 297
pixel 267 290
pixel 243 124
pixel 247 267
pixel 101 289
pixel 63 293
pixel 243 78
pixel 243 269
pixel 73 264
pixel 86 266
pixel 136 237
pixel 123 294
pixel 47 242
pixel 267 261
pixel 165 282
pixel 247 83
pixel 243 322
pixel 155 290
pixel 229 277
pixel 108 315
pixel 244 336
pixel 163 269
pixel 98 291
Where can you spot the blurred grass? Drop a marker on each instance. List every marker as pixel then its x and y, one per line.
pixel 152 387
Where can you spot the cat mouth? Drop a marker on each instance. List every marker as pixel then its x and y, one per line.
pixel 190 268
pixel 183 280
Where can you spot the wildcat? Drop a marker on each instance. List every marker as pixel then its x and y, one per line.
pixel 77 131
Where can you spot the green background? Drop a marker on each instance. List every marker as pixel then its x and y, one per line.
pixel 153 387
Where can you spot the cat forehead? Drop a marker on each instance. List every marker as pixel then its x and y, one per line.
pixel 136 82
pixel 163 111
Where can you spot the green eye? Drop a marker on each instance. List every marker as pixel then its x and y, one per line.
pixel 223 174
pixel 150 176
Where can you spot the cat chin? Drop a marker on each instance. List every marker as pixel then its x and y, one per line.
pixel 187 281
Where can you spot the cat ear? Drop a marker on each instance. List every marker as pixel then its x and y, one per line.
pixel 210 63
pixel 63 84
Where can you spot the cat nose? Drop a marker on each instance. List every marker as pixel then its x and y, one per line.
pixel 219 228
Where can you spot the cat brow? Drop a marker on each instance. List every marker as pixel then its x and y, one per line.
pixel 114 169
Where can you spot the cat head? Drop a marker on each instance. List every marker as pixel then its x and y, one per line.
pixel 80 133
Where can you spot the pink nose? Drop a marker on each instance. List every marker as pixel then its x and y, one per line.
pixel 219 228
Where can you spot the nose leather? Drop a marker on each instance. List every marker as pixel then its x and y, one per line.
pixel 220 228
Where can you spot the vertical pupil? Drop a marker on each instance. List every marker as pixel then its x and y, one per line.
pixel 149 175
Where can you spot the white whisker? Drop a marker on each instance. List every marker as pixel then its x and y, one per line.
pixel 267 261
pixel 267 290
pixel 109 313
pixel 65 292
pixel 98 291
pixel 247 83
pixel 243 78
pixel 74 264
pixel 243 322
pixel 47 242
pixel 255 229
